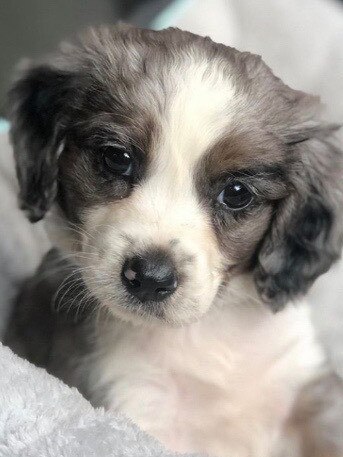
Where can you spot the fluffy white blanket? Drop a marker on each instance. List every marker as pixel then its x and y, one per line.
pixel 42 417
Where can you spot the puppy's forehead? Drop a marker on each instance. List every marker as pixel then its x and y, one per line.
pixel 177 95
pixel 200 103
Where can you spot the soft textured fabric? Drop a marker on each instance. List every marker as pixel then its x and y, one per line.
pixel 3 125
pixel 41 417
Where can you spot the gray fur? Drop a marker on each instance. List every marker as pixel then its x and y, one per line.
pixel 47 327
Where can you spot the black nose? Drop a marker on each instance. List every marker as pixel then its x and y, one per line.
pixel 151 277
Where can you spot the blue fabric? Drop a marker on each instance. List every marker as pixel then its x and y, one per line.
pixel 170 14
pixel 4 126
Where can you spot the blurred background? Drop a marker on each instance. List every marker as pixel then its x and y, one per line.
pixel 30 28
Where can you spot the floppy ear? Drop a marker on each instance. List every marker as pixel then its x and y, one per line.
pixel 305 236
pixel 37 101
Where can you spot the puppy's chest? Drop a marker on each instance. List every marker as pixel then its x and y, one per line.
pixel 197 390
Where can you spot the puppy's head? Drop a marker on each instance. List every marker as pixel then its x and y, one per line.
pixel 177 163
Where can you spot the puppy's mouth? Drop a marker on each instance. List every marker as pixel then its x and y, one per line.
pixel 149 282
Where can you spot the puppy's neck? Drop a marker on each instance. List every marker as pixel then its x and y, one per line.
pixel 237 350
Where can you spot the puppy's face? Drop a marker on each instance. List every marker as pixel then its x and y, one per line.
pixel 170 195
pixel 179 166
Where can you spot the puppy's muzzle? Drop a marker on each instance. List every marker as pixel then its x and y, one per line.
pixel 150 277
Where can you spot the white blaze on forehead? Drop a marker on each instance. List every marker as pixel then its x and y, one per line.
pixel 198 112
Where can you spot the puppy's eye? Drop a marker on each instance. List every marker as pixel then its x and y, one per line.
pixel 117 160
pixel 236 196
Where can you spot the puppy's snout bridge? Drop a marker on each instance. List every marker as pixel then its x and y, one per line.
pixel 150 277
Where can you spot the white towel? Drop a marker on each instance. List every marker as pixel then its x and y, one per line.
pixel 42 417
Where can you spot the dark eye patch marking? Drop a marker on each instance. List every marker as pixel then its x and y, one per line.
pixel 82 186
pixel 263 172
pixel 84 178
pixel 266 184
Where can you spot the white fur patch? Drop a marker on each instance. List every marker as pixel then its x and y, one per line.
pixel 200 111
pixel 200 388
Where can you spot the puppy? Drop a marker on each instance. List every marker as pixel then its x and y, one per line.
pixel 195 199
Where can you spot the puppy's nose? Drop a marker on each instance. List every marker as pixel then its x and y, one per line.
pixel 151 277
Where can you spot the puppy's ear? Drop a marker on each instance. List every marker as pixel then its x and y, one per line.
pixel 306 233
pixel 37 102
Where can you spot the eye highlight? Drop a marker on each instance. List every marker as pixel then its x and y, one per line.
pixel 117 160
pixel 235 196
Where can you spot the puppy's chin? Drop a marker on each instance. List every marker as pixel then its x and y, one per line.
pixel 151 315
pixel 182 309
pixel 177 311
pixel 139 318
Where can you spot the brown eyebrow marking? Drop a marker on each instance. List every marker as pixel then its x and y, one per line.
pixel 248 150
pixel 255 158
pixel 273 172
pixel 270 181
pixel 96 130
